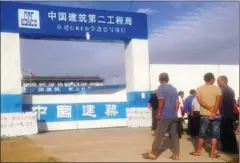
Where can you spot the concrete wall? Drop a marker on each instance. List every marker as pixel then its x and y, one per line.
pixel 86 111
pixel 61 112
pixel 137 60
pixel 137 72
pixel 11 98
pixel 13 122
pixel 186 77
pixel 136 57
pixel 18 124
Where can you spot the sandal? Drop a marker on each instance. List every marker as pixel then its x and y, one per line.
pixel 147 156
pixel 143 154
pixel 174 157
pixel 194 154
pixel 214 156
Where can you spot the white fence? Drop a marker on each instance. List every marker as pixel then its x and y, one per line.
pixel 64 112
pixel 186 77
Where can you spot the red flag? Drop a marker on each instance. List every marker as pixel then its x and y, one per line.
pixel 32 74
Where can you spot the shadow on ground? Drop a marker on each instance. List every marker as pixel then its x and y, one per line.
pixel 22 149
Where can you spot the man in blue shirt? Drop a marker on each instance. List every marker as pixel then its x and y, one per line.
pixel 167 118
pixel 188 107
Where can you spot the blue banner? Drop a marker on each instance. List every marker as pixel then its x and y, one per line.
pixel 75 89
pixel 41 20
pixel 78 112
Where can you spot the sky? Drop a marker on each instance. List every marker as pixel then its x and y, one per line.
pixel 179 33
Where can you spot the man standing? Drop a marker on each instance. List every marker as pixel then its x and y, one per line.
pixel 209 98
pixel 180 113
pixel 153 105
pixel 228 138
pixel 187 109
pixel 167 118
pixel 195 115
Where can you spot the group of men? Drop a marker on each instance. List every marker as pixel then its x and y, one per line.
pixel 210 111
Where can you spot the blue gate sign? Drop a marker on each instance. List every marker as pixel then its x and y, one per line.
pixel 78 111
pixel 41 20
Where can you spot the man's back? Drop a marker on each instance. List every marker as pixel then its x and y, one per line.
pixel 228 100
pixel 188 103
pixel 208 94
pixel 170 95
pixel 154 101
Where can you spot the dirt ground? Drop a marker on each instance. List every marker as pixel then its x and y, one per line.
pixel 98 145
pixel 22 149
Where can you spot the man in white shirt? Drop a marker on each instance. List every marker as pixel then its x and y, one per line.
pixel 195 114
pixel 180 113
pixel 195 105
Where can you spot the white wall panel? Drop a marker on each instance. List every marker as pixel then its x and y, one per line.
pixel 10 64
pixel 18 124
pixel 232 72
pixel 137 65
pixel 186 77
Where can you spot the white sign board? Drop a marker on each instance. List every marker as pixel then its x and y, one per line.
pixel 18 124
pixel 139 117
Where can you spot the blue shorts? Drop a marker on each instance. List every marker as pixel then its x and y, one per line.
pixel 209 128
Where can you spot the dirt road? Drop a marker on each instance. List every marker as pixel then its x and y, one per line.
pixel 113 144
pixel 22 149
